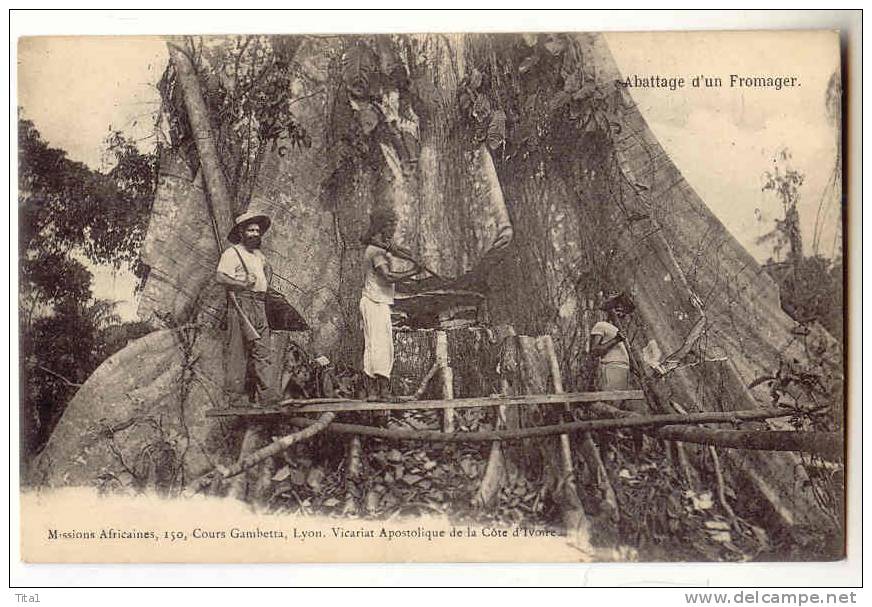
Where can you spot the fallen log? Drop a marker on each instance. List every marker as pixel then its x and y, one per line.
pixel 312 428
pixel 593 425
pixel 826 444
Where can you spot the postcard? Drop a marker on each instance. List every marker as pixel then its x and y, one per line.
pixel 515 297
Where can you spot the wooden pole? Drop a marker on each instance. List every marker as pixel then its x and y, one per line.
pixel 574 516
pixel 252 440
pixel 422 387
pixel 589 447
pixel 355 458
pixel 719 477
pixel 496 472
pixel 320 405
pixel 198 117
pixel 826 444
pixel 593 425
pixel 447 376
pixel 546 345
pixel 690 476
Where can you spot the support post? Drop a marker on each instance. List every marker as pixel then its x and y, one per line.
pixel 447 376
pixel 574 515
pixel 495 472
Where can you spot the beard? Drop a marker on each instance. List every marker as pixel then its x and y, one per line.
pixel 251 242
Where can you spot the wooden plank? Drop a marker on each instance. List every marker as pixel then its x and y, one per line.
pixel 484 401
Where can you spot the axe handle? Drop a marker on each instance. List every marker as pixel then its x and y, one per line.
pixel 403 253
pixel 248 329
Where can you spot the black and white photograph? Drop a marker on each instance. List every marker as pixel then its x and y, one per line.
pixel 568 297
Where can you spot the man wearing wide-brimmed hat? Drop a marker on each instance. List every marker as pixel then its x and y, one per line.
pixel 245 273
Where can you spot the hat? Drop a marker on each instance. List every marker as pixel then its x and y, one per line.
pixel 618 301
pixel 243 220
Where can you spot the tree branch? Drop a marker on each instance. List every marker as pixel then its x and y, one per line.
pixel 250 460
pixel 72 384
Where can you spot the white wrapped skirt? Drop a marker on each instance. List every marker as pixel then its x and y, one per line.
pixel 378 337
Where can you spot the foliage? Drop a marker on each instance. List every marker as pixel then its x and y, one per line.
pixel 812 290
pixel 373 107
pixel 410 478
pixel 65 206
pixel 669 517
pixel 134 177
pixel 58 353
pixel 785 184
pixel 811 287
pixel 250 92
pixel 70 215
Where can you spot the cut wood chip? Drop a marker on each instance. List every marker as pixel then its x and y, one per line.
pixel 721 536
pixel 283 473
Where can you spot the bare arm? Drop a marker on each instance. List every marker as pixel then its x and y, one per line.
pixel 391 276
pixel 231 283
pixel 382 267
pixel 598 347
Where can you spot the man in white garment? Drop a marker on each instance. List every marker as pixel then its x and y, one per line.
pixel 375 302
pixel 245 273
pixel 607 344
